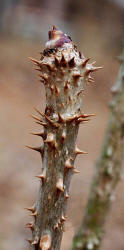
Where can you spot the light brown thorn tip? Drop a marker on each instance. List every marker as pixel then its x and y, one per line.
pixel 34 61
pixel 68 164
pixel 42 176
pixel 41 134
pixel 96 68
pixel 30 225
pixel 78 151
pixel 85 62
pixel 32 209
pixel 79 120
pixel 45 242
pixel 86 115
pixel 59 185
pixel 38 149
pixel 40 113
pixel 43 124
pixel 36 118
pixel 75 171
pixel 35 214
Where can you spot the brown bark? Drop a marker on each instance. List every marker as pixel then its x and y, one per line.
pixel 108 172
pixel 63 72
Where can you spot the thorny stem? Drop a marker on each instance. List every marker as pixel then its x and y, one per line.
pixel 108 173
pixel 64 72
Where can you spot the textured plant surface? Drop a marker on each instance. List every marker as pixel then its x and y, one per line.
pixel 108 173
pixel 63 71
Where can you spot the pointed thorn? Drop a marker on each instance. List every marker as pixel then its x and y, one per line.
pixel 34 61
pixel 59 185
pixel 42 124
pixel 76 76
pixel 63 218
pixel 86 115
pixel 68 164
pixel 41 134
pixel 50 139
pixel 37 69
pixel 57 91
pixel 36 118
pixel 78 151
pixel 66 87
pixel 30 225
pixel 70 119
pixel 29 241
pixel 96 68
pixel 63 61
pixel 55 124
pixel 35 242
pixel 85 62
pixel 38 149
pixel 31 209
pixel 42 176
pixel 79 120
pixel 75 171
pixel 71 63
pixel 56 62
pixel 66 195
pixel 60 120
pixel 35 214
pixel 40 113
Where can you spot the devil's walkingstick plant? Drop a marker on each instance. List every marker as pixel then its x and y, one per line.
pixel 63 71
pixel 108 173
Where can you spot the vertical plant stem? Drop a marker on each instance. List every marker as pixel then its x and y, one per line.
pixel 108 172
pixel 64 72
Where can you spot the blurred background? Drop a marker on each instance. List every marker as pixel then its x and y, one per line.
pixel 97 27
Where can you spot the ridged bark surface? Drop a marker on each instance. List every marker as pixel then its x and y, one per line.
pixel 63 72
pixel 108 173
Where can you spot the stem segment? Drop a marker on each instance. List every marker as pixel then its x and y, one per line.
pixel 63 71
